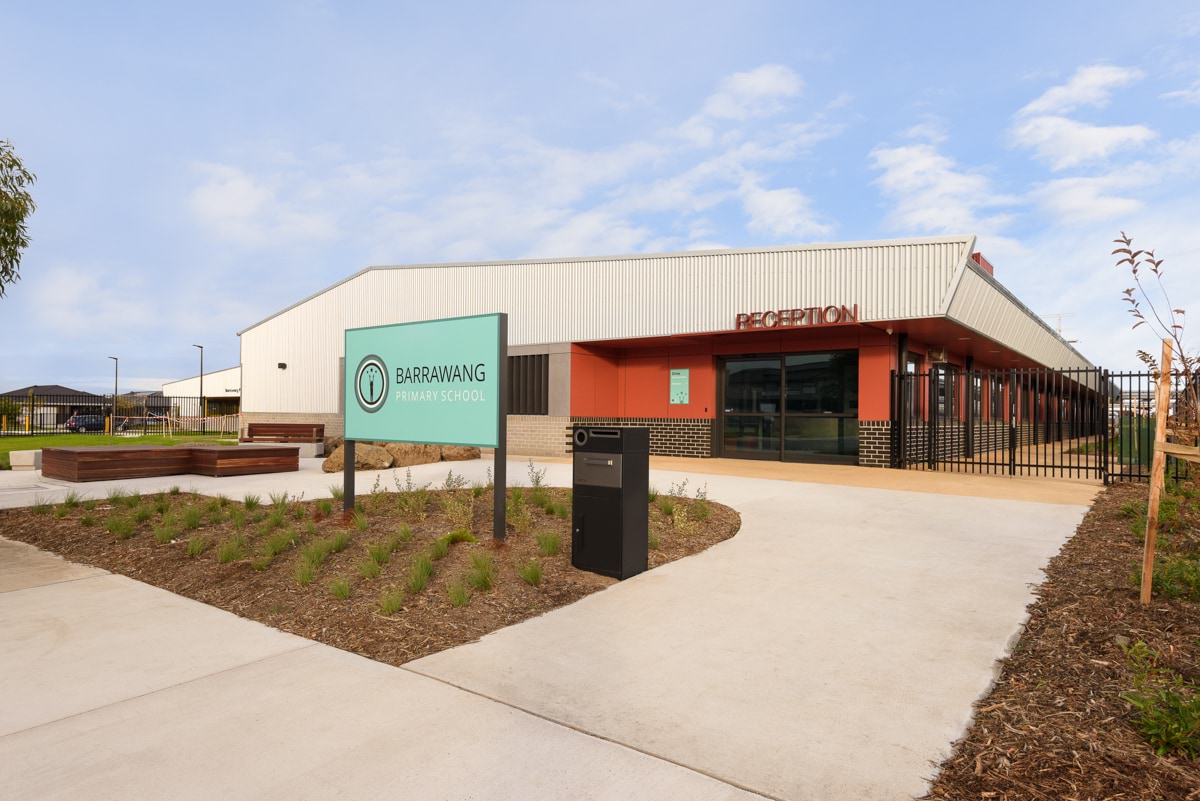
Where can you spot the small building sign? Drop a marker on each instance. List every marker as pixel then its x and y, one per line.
pixel 680 387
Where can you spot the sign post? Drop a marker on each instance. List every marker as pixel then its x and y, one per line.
pixel 435 382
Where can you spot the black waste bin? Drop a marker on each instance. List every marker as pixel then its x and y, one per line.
pixel 610 508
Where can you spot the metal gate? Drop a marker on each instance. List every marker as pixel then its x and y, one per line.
pixel 1088 423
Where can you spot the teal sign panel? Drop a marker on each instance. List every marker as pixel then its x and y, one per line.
pixel 680 387
pixel 433 382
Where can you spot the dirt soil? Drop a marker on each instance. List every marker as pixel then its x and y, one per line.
pixel 1055 725
pixel 426 622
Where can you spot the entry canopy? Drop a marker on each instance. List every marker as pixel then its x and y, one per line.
pixel 433 382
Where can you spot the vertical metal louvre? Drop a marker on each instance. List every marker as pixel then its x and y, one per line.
pixel 529 384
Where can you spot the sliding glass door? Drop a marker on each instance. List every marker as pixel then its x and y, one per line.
pixel 796 407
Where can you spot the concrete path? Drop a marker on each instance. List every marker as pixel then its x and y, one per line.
pixel 832 650
pixel 112 689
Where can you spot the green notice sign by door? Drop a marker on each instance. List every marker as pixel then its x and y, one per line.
pixel 435 382
pixel 680 387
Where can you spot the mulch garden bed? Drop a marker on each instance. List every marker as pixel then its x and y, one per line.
pixel 1055 726
pixel 148 539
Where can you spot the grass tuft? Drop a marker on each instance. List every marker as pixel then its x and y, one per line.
pixel 549 543
pixel 41 507
pixel 173 490
pixel 460 594
pixel 380 552
pixel 251 501
pixel 482 575
pixel 191 518
pixel 439 548
pixel 336 492
pixel 232 549
pixel 325 507
pixel 652 540
pixel 87 520
pixel 531 572
pixel 197 545
pixel 340 589
pixel 89 505
pixel 360 521
pixel 278 499
pixel 369 568
pixel 418 577
pixel 72 500
pixel 391 600
pixel 339 542
pixel 120 527
pixel 142 514
pixel 165 532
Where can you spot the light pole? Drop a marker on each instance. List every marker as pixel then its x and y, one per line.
pixel 112 425
pixel 203 422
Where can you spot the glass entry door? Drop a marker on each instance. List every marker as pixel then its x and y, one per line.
pixel 797 407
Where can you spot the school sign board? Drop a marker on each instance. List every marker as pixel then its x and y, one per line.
pixel 435 382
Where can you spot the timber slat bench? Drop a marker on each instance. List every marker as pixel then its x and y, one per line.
pixel 112 462
pixel 284 432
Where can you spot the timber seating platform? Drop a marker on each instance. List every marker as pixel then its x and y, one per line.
pixel 113 462
pixel 284 432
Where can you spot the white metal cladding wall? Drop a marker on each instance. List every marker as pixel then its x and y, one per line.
pixel 980 305
pixel 218 383
pixel 582 300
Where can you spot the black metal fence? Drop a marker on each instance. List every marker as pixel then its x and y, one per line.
pixel 1035 422
pixel 131 415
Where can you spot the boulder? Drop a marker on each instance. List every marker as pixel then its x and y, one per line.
pixel 366 457
pixel 407 453
pixel 333 443
pixel 459 453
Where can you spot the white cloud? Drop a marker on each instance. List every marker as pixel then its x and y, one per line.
pixel 781 212
pixel 1063 142
pixel 1092 199
pixel 1089 86
pixel 1189 96
pixel 240 207
pixel 760 92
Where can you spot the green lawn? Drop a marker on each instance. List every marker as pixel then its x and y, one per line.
pixel 38 442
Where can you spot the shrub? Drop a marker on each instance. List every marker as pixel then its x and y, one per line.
pixel 369 568
pixel 120 527
pixel 191 518
pixel 412 503
pixel 197 545
pixel 439 548
pixel 391 600
pixel 459 509
pixel 460 594
pixel 251 501
pixel 340 589
pixel 549 543
pixel 453 482
pixel 232 549
pixel 418 577
pixel 537 478
pixel 531 572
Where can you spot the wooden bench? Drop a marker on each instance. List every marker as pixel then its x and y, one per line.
pixel 284 432
pixel 114 462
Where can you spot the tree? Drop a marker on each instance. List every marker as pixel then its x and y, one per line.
pixel 16 204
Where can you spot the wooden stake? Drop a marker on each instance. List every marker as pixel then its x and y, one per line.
pixel 1162 401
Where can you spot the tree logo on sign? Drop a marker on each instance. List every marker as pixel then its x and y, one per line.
pixel 370 383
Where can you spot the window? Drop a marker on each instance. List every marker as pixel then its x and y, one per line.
pixel 529 384
pixel 947 390
pixel 912 397
pixel 977 397
pixel 997 399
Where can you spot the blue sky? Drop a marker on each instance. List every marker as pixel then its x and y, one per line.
pixel 201 167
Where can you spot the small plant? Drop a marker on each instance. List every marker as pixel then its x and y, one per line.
pixel 337 492
pixel 278 500
pixel 460 594
pixel 453 482
pixel 132 500
pixel 413 503
pixel 191 518
pixel 678 490
pixel 310 528
pixel 161 504
pixel 418 577
pixel 439 548
pixel 369 568
pixel 276 544
pixel 652 540
pixel 652 493
pixel 325 507
pixel 232 549
pixel 459 535
pixel 213 505
pixel 482 575
pixel 700 511
pixel 116 496
pixel 142 514
pixel 298 513
pixel 702 493
pixel 237 516
pixel 276 517
pixel 360 521
pixel 548 543
pixel 517 511
pixel 682 520
pixel 61 511
pixel 197 544
pixel 72 500
pixel 539 497
pixel 165 532
pixel 476 490
pixel 89 505
pixel 340 589
pixel 120 527
pixel 537 478
pixel 531 572
pixel 380 552
pixel 391 601
pixel 339 542
pixel 173 490
pixel 1168 708
pixel 41 507
pixel 305 574
pixel 459 509
pixel 251 501
pixel 405 534
pixel 666 506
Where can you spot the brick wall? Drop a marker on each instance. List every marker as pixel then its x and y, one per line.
pixel 668 436
pixel 539 435
pixel 875 443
